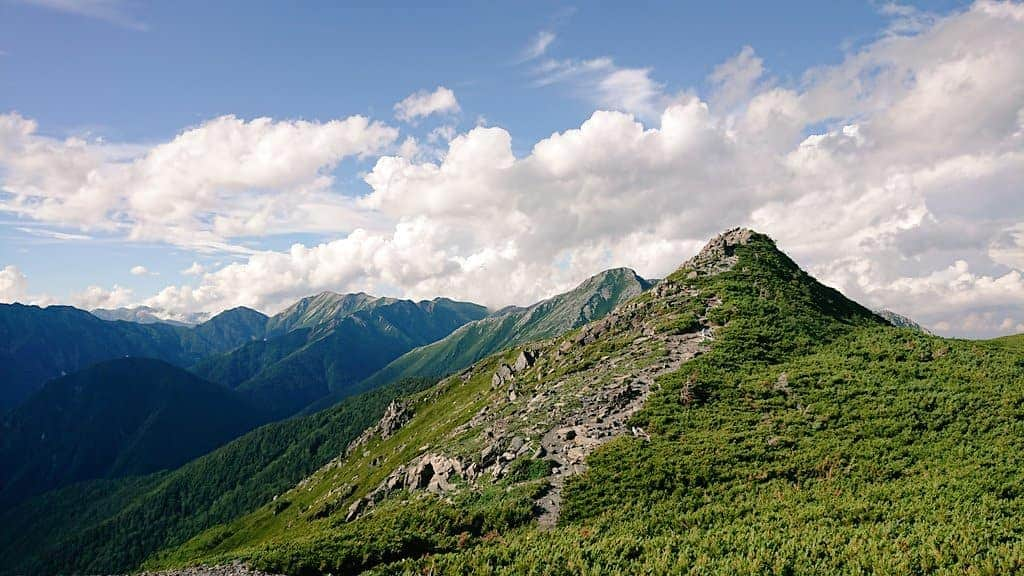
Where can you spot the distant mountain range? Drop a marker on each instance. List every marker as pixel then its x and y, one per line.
pixel 326 344
pixel 38 344
pixel 148 315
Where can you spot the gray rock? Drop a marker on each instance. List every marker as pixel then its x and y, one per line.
pixel 523 361
pixel 516 444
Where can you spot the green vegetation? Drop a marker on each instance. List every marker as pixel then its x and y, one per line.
pixel 331 488
pixel 811 439
pixel 321 347
pixel 591 300
pixel 123 417
pixel 111 526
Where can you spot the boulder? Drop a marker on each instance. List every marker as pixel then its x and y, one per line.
pixel 523 361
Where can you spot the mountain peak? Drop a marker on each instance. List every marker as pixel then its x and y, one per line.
pixel 719 253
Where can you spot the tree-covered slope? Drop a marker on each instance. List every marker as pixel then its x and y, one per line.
pixel 38 344
pixel 111 526
pixel 591 300
pixel 118 418
pixel 738 418
pixel 325 344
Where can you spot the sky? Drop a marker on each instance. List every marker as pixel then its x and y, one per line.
pixel 196 156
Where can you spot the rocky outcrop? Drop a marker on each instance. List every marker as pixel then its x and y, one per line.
pixel 236 569
pixel 719 253
pixel 396 415
pixel 435 473
pixel 564 398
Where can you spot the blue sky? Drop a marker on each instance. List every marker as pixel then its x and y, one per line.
pixel 126 77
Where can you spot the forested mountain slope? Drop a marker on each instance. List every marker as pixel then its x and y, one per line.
pixel 118 418
pixel 326 344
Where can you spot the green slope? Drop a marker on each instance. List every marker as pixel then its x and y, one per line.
pixel 325 344
pixel 112 525
pixel 807 437
pixel 117 418
pixel 589 301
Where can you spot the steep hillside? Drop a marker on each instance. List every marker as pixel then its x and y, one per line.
pixel 118 418
pixel 589 301
pixel 232 368
pixel 325 344
pixel 38 344
pixel 738 418
pixel 111 526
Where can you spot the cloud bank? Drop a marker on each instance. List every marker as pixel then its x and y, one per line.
pixel 894 176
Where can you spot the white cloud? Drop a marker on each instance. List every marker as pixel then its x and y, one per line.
pixel 734 81
pixel 606 84
pixel 221 180
pixel 52 234
pixel 421 104
pixel 195 269
pixel 13 284
pixel 96 297
pixel 443 134
pixel 893 175
pixel 538 45
pixel 113 11
pixel 139 271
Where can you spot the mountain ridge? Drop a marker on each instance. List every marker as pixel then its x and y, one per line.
pixel 510 326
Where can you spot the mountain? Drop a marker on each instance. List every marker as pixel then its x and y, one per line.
pixel 140 314
pixel 38 344
pixel 122 417
pixel 112 525
pixel 739 417
pixel 900 320
pixel 247 472
pixel 324 345
pixel 320 310
pixel 232 327
pixel 589 301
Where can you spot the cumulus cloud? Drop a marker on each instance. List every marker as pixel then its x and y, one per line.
pixel 223 179
pixel 97 297
pixel 893 175
pixel 139 271
pixel 13 284
pixel 423 103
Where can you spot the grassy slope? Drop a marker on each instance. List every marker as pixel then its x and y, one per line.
pixel 817 441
